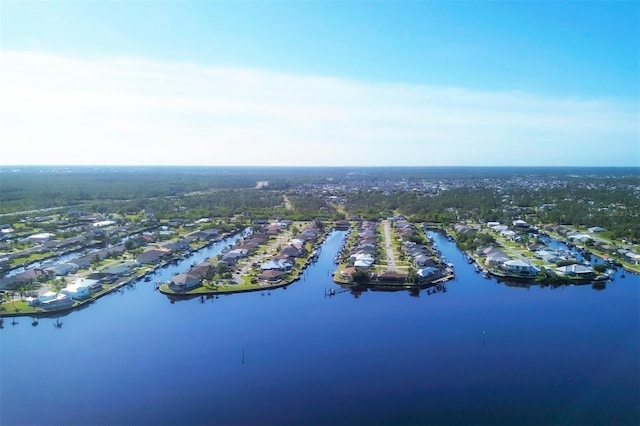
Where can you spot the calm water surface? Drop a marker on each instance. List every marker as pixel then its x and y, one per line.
pixel 479 353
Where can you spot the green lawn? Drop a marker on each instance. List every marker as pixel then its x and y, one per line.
pixel 32 258
pixel 19 306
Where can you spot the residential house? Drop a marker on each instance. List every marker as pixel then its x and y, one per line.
pixel 272 275
pixel 633 257
pixel 392 276
pixel 279 265
pixel 153 256
pixel 519 267
pixel 62 269
pixel 232 257
pixel 423 261
pixel 178 246
pixel 121 270
pixel 576 270
pixel 342 225
pixel 293 251
pixel 348 273
pixel 40 238
pixel 76 290
pixel 201 270
pixel 183 282
pixel 428 274
pixel 52 300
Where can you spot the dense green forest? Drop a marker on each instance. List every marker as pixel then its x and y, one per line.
pixel 609 198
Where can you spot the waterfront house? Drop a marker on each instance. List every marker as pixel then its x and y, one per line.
pixel 423 261
pixel 76 290
pixel 182 282
pixel 428 274
pixel 348 273
pixel 553 258
pixel 49 295
pixel 178 246
pixel 342 225
pixel 462 229
pixel 293 251
pixel 519 267
pixel 121 270
pixel 201 270
pixel 101 277
pixel 279 265
pixel 271 275
pixel 309 234
pixel 153 256
pixel 392 276
pixel 533 246
pixel 231 258
pixel 58 301
pixel 240 252
pixel 32 275
pixel 497 259
pixel 581 238
pixel 633 257
pixel 576 270
pixel 204 235
pixel 62 269
pixel 250 246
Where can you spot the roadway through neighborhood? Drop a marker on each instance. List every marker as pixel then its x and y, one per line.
pixel 391 259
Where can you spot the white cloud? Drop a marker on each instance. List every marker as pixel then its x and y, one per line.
pixel 122 110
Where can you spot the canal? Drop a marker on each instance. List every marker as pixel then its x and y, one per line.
pixel 480 353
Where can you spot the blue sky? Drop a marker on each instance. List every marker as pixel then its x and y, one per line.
pixel 355 83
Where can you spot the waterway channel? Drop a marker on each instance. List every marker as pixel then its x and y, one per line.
pixel 480 353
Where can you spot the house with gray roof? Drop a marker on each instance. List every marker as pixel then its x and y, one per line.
pixel 153 256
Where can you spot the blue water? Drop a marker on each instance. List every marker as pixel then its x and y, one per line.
pixel 479 353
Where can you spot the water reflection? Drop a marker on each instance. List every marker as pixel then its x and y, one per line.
pixel 463 269
pixel 307 348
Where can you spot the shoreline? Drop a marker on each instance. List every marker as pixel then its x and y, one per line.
pixel 112 288
pixel 198 291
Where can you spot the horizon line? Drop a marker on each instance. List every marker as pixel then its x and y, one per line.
pixel 406 166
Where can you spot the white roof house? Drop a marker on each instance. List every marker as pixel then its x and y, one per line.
pixel 633 257
pixel 104 223
pixel 500 228
pixel 520 266
pixel 40 238
pixel 497 258
pixel 363 257
pixel 63 269
pixel 50 295
pixel 362 264
pixel 508 233
pixel 76 290
pixel 86 282
pixel 575 270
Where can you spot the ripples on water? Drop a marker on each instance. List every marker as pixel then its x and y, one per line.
pixel 480 353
